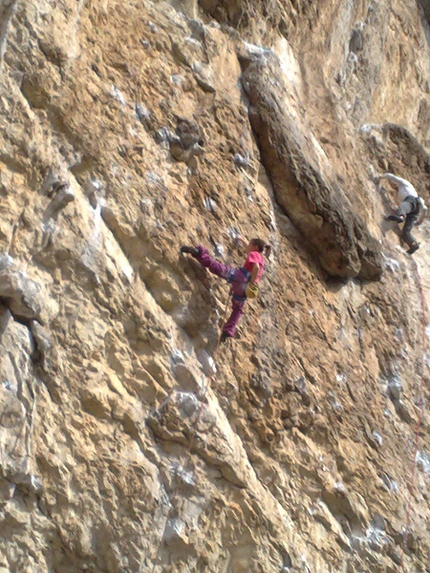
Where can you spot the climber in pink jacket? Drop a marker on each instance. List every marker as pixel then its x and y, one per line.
pixel 242 280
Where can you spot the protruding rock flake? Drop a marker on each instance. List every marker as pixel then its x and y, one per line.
pixel 162 135
pixel 142 113
pixel 219 250
pixel 249 194
pixel 375 538
pixel 377 438
pixel 395 387
pixel 390 483
pixel 256 50
pixel 392 265
pixel 234 234
pixel 118 95
pixel 204 77
pixel 341 378
pixel 5 261
pixel 25 298
pixel 339 487
pixel 334 403
pixel 174 532
pixel 423 461
pixel 241 160
pixel 186 477
pixel 207 362
pixel 187 403
pixel 177 356
pixel 210 204
pixel 177 80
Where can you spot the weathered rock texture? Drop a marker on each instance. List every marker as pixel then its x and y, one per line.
pixel 127 444
pixel 300 180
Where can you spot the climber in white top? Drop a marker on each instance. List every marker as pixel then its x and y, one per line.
pixel 411 210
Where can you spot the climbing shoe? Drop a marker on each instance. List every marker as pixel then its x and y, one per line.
pixel 190 250
pixel 397 218
pixel 224 337
pixel 414 247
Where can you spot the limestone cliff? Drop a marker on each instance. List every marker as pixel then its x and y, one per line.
pixel 128 442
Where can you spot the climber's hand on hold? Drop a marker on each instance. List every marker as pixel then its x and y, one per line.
pixel 240 241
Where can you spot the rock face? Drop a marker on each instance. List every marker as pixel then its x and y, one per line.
pixel 300 180
pixel 128 441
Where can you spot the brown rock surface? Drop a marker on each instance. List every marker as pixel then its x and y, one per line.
pixel 130 128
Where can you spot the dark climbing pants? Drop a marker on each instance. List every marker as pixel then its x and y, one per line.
pixel 238 279
pixel 409 208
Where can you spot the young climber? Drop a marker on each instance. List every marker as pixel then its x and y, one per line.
pixel 239 278
pixel 411 210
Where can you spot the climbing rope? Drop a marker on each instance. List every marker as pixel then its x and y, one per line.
pixel 421 405
pixel 183 466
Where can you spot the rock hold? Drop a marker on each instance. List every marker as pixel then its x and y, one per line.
pixel 24 297
pixel 204 76
pixel 187 143
pixel 63 196
pixel 143 115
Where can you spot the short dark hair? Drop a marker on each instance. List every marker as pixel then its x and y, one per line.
pixel 261 246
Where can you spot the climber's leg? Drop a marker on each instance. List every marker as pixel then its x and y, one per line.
pixel 407 236
pixel 230 326
pixel 201 254
pixel 402 211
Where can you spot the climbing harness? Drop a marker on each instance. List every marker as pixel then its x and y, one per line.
pixel 183 466
pixel 421 405
pixel 251 289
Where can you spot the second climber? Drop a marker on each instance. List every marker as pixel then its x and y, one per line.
pixel 411 210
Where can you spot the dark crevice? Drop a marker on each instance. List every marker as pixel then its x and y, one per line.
pixel 36 356
pixel 425 4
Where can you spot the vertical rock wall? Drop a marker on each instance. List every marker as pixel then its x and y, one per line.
pixel 128 441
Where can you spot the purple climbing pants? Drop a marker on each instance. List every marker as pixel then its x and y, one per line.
pixel 238 279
